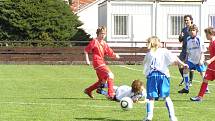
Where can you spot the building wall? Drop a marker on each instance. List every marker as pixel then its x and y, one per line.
pixel 89 16
pixel 147 18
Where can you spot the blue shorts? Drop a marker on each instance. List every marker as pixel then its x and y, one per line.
pixel 199 68
pixel 158 85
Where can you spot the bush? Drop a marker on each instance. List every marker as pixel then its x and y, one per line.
pixel 47 21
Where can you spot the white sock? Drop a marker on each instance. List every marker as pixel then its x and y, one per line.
pixel 170 108
pixel 186 80
pixel 149 109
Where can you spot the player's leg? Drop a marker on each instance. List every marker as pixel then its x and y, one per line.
pixel 170 108
pixel 209 75
pixel 186 80
pixel 100 88
pixel 149 110
pixel 181 72
pixel 105 74
pixel 191 77
pixel 152 92
pixel 92 87
pixel 201 69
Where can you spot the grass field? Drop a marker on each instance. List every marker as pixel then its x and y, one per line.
pixel 55 93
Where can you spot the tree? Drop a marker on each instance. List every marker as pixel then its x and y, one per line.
pixel 40 20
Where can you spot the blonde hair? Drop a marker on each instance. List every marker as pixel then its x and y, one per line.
pixel 193 27
pixel 136 86
pixel 210 30
pixel 100 29
pixel 153 42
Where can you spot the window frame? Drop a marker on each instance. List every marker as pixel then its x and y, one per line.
pixel 209 20
pixel 169 30
pixel 127 26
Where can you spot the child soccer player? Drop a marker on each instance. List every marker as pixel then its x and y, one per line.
pixel 156 70
pixel 210 72
pixel 195 56
pixel 135 92
pixel 99 48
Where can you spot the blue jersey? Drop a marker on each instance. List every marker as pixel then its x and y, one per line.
pixel 182 55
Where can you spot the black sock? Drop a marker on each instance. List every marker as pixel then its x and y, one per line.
pixel 191 76
pixel 181 71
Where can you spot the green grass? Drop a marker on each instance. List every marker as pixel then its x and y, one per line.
pixel 55 93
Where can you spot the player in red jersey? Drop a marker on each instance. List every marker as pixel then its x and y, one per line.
pixel 99 49
pixel 210 72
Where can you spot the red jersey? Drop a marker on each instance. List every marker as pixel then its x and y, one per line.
pixel 99 50
pixel 212 54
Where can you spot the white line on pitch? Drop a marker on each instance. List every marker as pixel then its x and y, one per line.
pixel 107 106
pixel 122 66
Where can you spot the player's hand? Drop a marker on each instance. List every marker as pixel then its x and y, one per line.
pixel 186 66
pixel 201 63
pixel 207 62
pixel 88 63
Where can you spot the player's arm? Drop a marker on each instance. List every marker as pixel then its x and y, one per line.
pixel 210 60
pixel 181 62
pixel 111 53
pixel 87 58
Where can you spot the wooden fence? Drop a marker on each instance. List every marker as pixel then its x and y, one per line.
pixel 69 55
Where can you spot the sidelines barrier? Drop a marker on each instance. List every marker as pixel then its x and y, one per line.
pixel 71 55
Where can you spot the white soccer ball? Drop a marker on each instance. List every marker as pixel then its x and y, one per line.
pixel 126 103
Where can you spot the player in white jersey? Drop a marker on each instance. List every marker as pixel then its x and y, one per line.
pixel 136 91
pixel 195 56
pixel 156 70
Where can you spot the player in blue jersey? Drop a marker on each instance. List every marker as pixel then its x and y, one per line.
pixel 156 70
pixel 195 56
pixel 188 21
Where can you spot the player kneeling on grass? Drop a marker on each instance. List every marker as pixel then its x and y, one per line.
pixel 156 70
pixel 210 72
pixel 135 92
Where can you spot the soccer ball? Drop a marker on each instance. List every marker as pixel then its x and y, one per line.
pixel 126 103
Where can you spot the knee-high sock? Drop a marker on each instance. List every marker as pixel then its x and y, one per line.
pixel 191 76
pixel 110 87
pixel 203 89
pixel 181 71
pixel 170 108
pixel 149 109
pixel 186 80
pixel 93 86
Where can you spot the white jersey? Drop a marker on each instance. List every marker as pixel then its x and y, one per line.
pixel 125 91
pixel 158 61
pixel 195 46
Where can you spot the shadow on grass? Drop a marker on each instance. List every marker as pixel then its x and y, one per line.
pixel 72 98
pixel 101 119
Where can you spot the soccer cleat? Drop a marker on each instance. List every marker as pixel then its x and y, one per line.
pixel 183 91
pixel 197 99
pixel 88 93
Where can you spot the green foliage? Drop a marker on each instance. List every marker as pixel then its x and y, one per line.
pixel 27 20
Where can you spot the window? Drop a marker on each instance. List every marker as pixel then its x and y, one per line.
pixel 120 26
pixel 212 20
pixel 175 25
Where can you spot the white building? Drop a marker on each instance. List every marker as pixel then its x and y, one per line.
pixel 135 20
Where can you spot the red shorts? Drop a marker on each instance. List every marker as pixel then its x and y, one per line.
pixel 102 73
pixel 210 74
